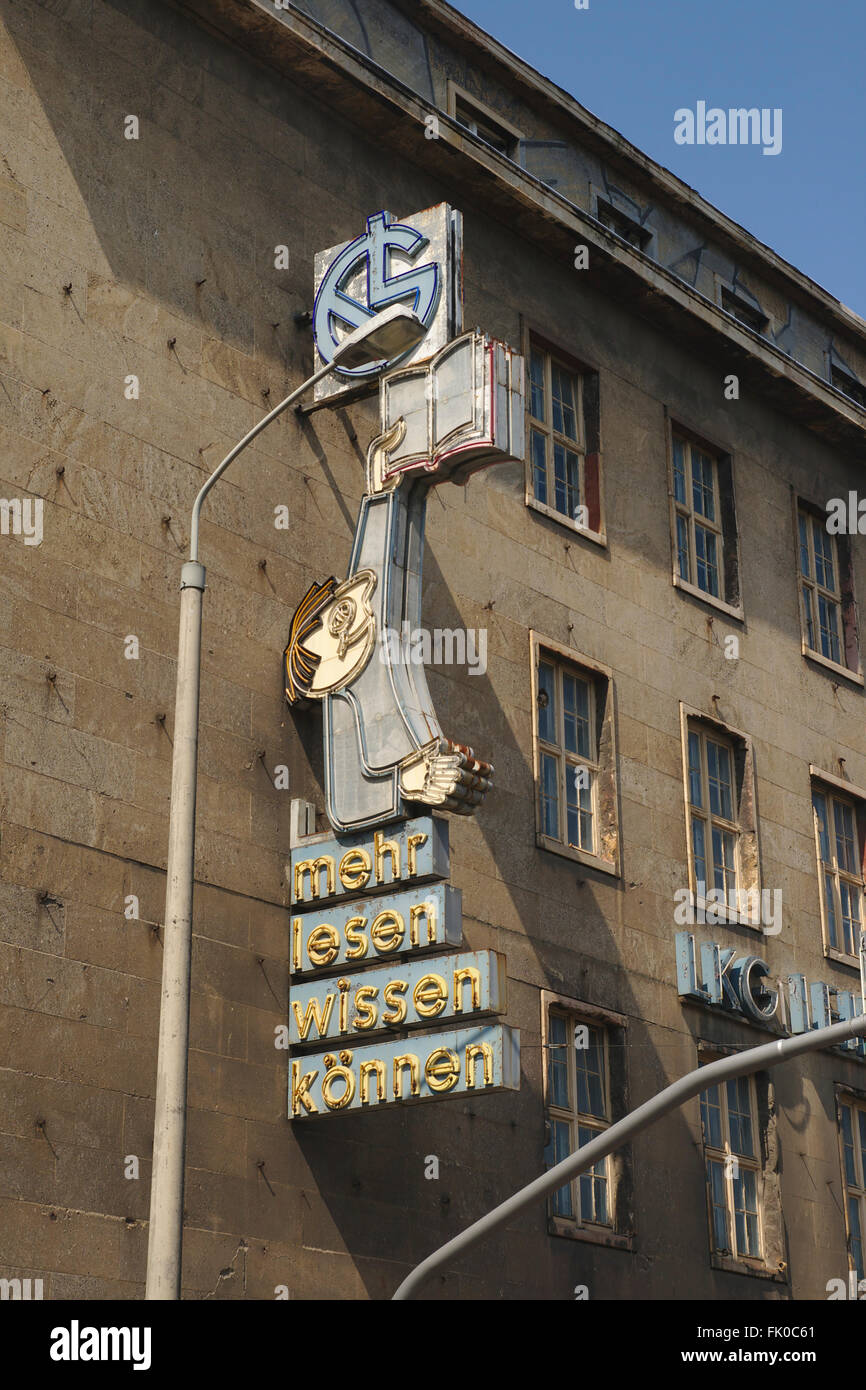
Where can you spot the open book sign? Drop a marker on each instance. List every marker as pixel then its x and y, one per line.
pixel 461 411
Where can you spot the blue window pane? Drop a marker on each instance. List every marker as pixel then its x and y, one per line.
pixel 679 471
pixel 558 1061
pixel 828 628
pixel 819 801
pixel 724 869
pixel 824 566
pixel 711 1117
pixel 830 902
pixel 719 780
pixel 563 391
pixel 700 854
pixel 849 898
pixel 682 547
pixel 547 702
pixel 706 561
pixel 855 1236
pixel 703 495
pixel 843 822
pixel 549 796
pixel 539 466
pixel 558 1149
pixel 746 1212
pixel 579 808
pixel 740 1117
pixel 695 793
pixel 718 1204
pixel 536 381
pixel 805 565
pixel 566 471
pixel 810 622
pixel 575 707
pixel 848 1147
pixel 589 1069
pixel 593 1185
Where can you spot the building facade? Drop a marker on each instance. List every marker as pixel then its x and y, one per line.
pixel 671 694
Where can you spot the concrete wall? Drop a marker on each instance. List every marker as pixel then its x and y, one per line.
pixel 155 257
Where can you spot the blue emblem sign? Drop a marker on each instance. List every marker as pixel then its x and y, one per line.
pixel 413 261
pixel 373 254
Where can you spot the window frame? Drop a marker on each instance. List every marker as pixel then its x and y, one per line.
pixel 748 1162
pixel 566 759
pixel 703 811
pixel 773 1262
pixel 603 766
pixel 618 1233
pixel 836 789
pixel 745 794
pixel 845 597
pixel 591 484
pixel 725 526
pixel 552 436
pixel 856 1102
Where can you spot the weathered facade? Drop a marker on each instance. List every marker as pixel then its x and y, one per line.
pixel 153 258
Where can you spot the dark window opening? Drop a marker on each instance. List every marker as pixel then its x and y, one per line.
pixel 487 130
pixel 624 226
pixel 848 385
pixel 744 311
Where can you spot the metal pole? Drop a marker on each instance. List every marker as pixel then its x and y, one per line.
pixel 169 1133
pixel 741 1064
pixel 165 1233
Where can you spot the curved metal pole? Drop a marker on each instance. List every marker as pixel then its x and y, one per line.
pixel 741 1064
pixel 247 439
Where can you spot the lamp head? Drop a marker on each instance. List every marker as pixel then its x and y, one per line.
pixel 383 338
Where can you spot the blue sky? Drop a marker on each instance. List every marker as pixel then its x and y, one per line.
pixel 634 62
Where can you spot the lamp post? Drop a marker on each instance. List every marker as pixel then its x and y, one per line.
pixel 380 340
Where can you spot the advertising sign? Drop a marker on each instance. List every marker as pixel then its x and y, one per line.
pixel 480 1059
pixel 402 996
pixel 415 260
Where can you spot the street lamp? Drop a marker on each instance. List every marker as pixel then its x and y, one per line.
pixel 384 337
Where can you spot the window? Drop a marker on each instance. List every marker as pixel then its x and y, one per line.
pixel 840 865
pixel 703 521
pixel 714 829
pixel 828 613
pixel 576 801
pixel 625 226
pixel 567 755
pixel 700 544
pixel 584 1050
pixel 556 436
pixel 722 818
pixel 744 310
pixel 819 587
pixel 562 433
pixel 477 118
pixel 733 1168
pixel 852 1131
pixel 579 1110
pixel 844 381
